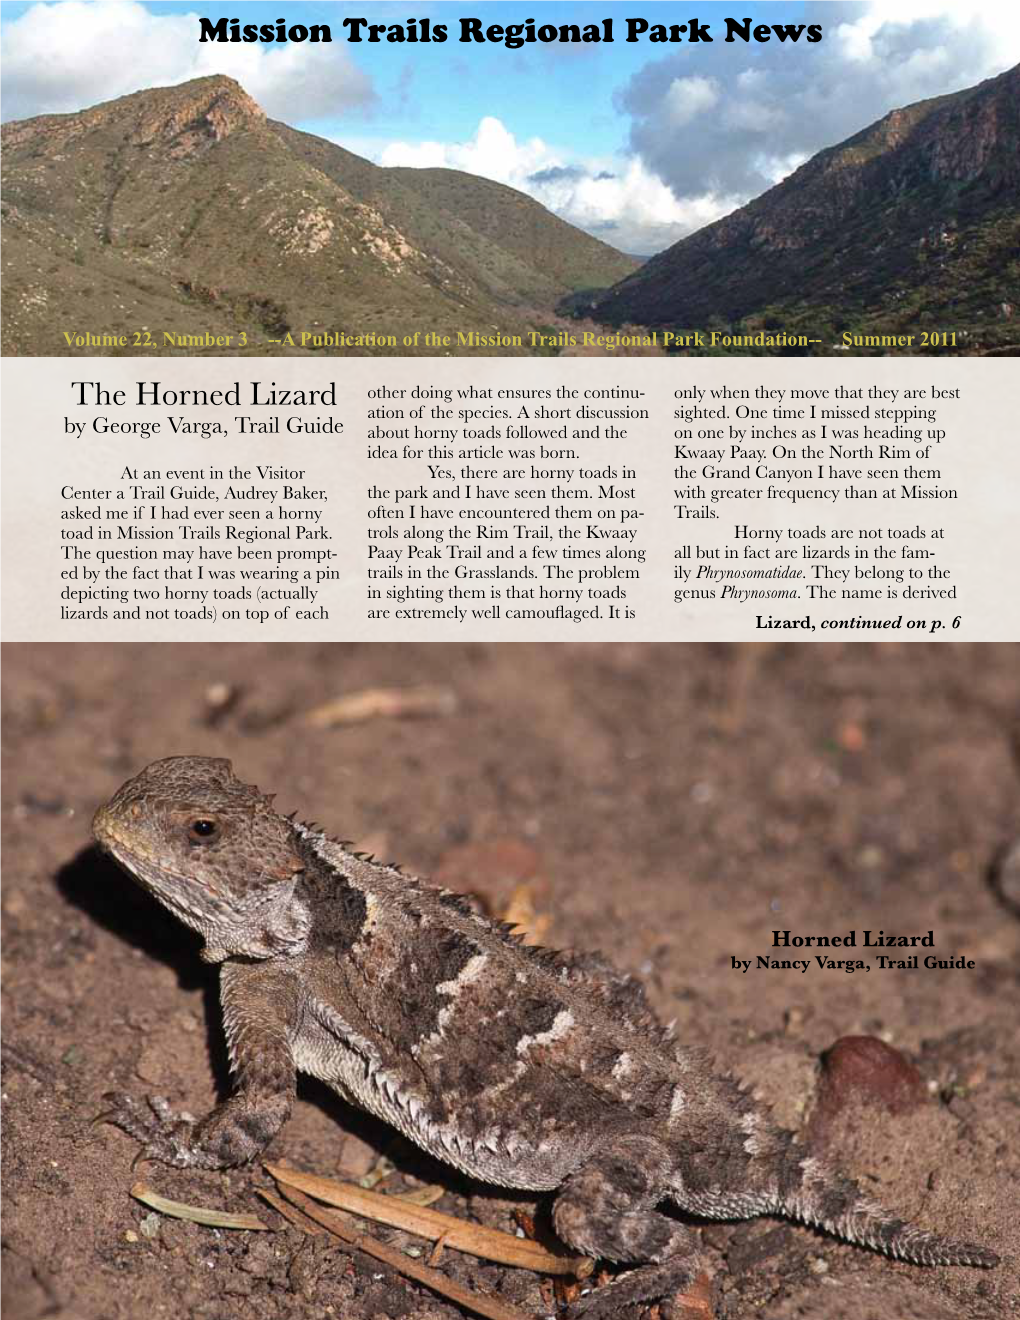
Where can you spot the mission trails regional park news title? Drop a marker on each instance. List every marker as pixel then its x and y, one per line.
pixel 511 35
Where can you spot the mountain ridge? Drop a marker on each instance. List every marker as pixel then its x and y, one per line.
pixel 189 205
pixel 913 217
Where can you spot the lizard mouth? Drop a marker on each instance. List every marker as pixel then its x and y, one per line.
pixel 171 884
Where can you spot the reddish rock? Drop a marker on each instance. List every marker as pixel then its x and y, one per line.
pixel 866 1070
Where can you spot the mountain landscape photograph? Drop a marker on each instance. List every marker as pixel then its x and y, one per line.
pixel 913 223
pixel 187 207
pixel 422 200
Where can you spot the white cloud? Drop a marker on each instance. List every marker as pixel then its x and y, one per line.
pixel 63 56
pixel 749 116
pixel 619 201
pixel 686 98
pixel 712 127
pixel 493 152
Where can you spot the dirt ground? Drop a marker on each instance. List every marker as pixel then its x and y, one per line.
pixel 671 805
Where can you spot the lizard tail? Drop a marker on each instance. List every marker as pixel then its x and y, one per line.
pixel 815 1194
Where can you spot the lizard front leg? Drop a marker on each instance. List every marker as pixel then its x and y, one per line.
pixel 260 1011
pixel 607 1210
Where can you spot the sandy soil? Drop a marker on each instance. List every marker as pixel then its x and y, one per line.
pixel 672 805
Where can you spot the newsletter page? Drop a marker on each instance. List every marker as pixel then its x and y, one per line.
pixel 511 695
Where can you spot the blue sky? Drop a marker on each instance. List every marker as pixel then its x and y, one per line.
pixel 441 91
pixel 636 142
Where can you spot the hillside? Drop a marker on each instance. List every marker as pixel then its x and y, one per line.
pixel 186 209
pixel 912 223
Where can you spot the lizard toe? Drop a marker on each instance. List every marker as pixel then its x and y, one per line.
pixel 646 1283
pixel 162 1135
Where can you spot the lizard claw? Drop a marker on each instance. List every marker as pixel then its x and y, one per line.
pixel 597 1303
pixel 140 1158
pixel 642 1284
pixel 591 1306
pixel 163 1135
pixel 120 1106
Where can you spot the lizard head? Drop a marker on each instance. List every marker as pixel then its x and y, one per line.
pixel 213 851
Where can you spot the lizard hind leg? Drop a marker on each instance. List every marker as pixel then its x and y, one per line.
pixel 607 1210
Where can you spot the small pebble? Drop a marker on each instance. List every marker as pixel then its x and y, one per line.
pixel 962 1108
pixel 851 737
pixel 219 699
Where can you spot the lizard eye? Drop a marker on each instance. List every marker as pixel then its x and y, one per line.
pixel 203 830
